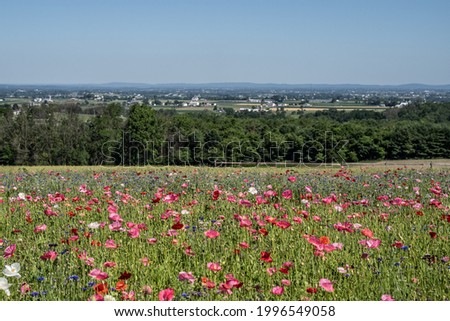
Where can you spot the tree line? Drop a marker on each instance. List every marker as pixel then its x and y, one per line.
pixel 141 135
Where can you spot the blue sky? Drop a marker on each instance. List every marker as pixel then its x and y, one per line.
pixel 196 41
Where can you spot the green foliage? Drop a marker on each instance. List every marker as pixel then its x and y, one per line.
pixel 45 136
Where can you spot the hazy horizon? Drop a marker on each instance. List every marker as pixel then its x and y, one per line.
pixel 328 42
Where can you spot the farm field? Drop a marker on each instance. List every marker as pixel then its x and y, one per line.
pixel 216 234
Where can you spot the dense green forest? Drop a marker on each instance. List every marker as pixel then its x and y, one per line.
pixel 140 135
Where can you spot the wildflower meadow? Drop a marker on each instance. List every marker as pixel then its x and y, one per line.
pixel 196 233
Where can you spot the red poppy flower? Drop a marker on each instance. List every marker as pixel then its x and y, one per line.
pixel 265 256
pixel 177 226
pixel 101 288
pixel 121 285
pixel 368 233
pixel 125 276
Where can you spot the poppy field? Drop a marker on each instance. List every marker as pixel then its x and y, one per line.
pixel 195 233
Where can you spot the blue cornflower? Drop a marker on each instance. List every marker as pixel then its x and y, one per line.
pixel 184 295
pixel 74 277
pixel 84 289
pixel 41 278
pixel 379 259
pixel 201 218
pixel 44 293
pixel 397 264
pixel 405 247
pixel 64 251
pixel 213 221
pixel 91 284
pixel 33 294
pixel 194 228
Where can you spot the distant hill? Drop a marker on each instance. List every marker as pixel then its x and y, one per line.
pixel 229 86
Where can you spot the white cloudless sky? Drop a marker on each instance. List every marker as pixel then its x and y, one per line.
pixel 199 41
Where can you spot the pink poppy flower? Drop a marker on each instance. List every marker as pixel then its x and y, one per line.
pixel 147 290
pixel 145 261
pixel 186 276
pixel 114 217
pixel 213 266
pixel 24 288
pixel 326 284
pixel 245 203
pixel 244 245
pixel 128 296
pixel 387 297
pixel 283 224
pixel 40 228
pixel 50 255
pixel 170 198
pixel 116 226
pixel 277 290
pixel 286 282
pixel 98 274
pixel 111 244
pixel 271 270
pixel 133 233
pixel 212 234
pixel 370 244
pixel 166 295
pixel 292 178
pixel 152 240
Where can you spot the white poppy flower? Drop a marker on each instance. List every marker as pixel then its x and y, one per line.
pixel 109 298
pixel 4 285
pixel 253 190
pixel 12 270
pixel 22 196
pixel 94 225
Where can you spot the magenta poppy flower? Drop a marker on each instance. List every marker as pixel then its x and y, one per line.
pixel 213 266
pixel 9 251
pixel 109 264
pixel 166 295
pixel 211 234
pixel 287 194
pixel 292 178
